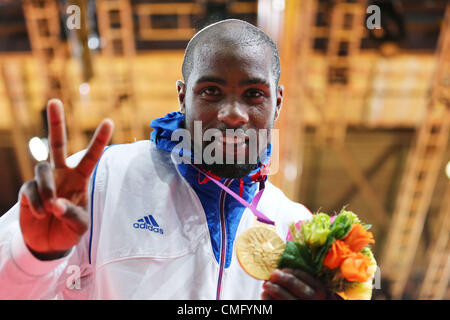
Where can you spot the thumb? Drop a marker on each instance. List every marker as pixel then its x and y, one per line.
pixel 75 217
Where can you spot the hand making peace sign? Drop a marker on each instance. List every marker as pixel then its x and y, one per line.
pixel 53 206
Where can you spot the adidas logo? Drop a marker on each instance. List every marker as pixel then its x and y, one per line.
pixel 149 223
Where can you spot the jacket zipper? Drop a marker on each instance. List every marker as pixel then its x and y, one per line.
pixel 223 237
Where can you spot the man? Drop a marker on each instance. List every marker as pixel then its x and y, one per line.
pixel 129 222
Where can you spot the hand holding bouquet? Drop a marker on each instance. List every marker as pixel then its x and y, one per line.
pixel 334 250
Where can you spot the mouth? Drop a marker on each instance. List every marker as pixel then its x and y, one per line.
pixel 233 140
pixel 230 149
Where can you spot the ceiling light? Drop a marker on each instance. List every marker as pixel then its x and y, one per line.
pixel 93 42
pixel 290 172
pixel 84 88
pixel 38 148
pixel 278 5
pixel 447 169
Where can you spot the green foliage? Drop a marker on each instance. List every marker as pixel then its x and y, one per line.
pixel 322 251
pixel 297 255
pixel 341 226
pixel 300 255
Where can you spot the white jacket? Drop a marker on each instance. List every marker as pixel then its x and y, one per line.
pixel 117 259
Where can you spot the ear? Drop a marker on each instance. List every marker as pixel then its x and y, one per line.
pixel 279 104
pixel 181 88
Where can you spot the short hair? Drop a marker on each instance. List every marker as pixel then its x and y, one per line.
pixel 249 35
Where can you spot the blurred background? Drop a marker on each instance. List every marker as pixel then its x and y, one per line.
pixel 365 121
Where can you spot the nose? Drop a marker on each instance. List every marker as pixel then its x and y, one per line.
pixel 233 115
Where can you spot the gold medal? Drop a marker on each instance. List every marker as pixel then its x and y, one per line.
pixel 259 249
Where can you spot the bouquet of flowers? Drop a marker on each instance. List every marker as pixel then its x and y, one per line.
pixel 334 250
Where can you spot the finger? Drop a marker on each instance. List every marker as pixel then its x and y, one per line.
pixel 25 207
pixel 292 284
pixel 75 217
pixel 29 198
pixel 309 280
pixel 57 133
pixel 96 147
pixel 277 292
pixel 266 296
pixel 46 185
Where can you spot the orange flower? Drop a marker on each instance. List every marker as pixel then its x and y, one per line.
pixel 339 251
pixel 358 238
pixel 356 267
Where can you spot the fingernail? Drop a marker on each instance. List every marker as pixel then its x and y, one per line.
pixel 276 274
pixel 60 207
pixel 309 292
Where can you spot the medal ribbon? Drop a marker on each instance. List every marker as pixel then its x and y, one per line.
pixel 251 206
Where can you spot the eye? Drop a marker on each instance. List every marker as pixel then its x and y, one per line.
pixel 210 91
pixel 254 93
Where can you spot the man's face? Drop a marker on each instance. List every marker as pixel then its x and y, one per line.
pixel 231 87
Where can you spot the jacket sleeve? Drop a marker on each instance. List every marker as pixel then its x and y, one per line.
pixel 23 276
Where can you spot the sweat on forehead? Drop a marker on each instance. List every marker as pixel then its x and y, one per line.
pixel 231 34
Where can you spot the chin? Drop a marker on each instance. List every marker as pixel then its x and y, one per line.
pixel 231 170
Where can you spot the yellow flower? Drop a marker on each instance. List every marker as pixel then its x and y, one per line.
pixel 360 291
pixel 315 232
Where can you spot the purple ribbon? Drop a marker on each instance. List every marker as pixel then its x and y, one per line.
pixel 252 206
